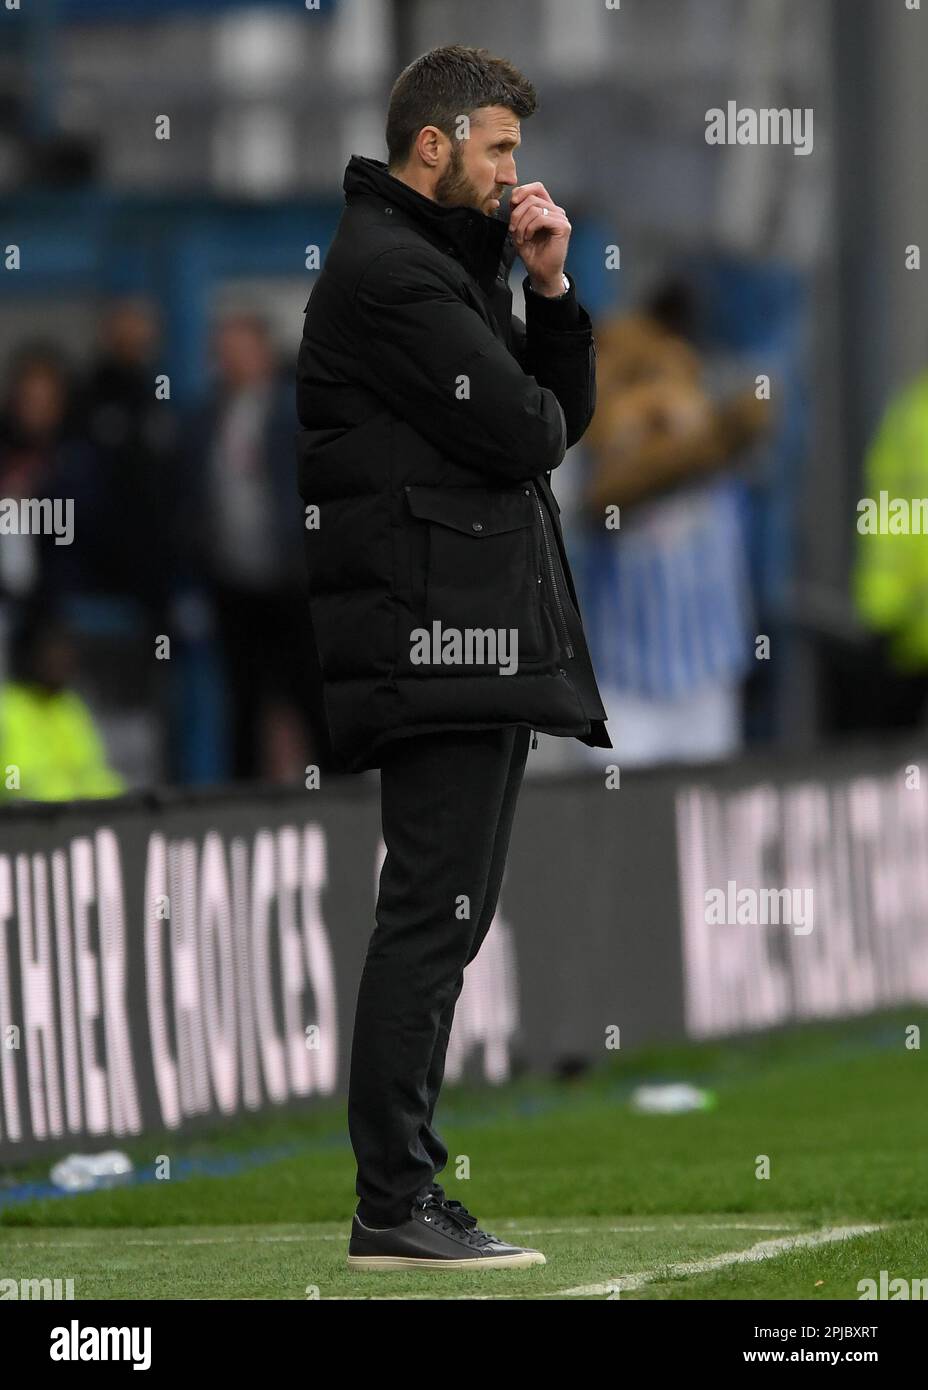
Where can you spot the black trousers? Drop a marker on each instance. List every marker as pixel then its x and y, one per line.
pixel 447 806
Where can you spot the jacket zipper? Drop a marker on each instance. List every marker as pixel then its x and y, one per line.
pixel 557 597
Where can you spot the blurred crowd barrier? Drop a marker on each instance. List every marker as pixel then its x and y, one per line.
pixel 709 903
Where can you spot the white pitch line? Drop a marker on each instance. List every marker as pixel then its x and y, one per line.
pixel 763 1250
pixel 666 1226
pixel 319 1235
pixel 165 1241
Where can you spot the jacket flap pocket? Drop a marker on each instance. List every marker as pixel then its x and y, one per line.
pixel 474 511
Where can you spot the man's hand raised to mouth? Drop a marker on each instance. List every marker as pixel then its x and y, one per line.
pixel 541 232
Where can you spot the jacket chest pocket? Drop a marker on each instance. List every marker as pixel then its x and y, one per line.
pixel 482 565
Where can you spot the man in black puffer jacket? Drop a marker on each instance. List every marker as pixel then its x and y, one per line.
pixel 441 598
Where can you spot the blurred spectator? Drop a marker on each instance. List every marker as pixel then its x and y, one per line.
pixel 670 608
pixel 36 436
pixel 244 545
pixel 132 436
pixel 49 748
pixel 42 459
pixel 890 579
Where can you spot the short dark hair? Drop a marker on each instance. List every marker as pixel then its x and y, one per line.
pixel 448 82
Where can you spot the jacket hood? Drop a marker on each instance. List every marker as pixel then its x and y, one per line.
pixel 481 242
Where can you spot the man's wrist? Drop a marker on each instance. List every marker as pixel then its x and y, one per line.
pixel 551 290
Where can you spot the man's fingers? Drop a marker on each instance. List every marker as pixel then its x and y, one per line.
pixel 553 226
pixel 524 189
pixel 540 216
pixel 519 209
pixel 526 208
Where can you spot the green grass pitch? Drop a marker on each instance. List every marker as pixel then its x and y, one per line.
pixel 624 1205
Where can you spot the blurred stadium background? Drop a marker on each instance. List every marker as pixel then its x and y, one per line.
pixel 152 294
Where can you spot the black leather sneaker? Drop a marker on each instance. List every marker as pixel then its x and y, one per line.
pixel 438 1235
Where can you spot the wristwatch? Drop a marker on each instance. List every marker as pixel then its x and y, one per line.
pixel 555 296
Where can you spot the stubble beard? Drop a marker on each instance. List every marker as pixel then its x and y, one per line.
pixel 454 188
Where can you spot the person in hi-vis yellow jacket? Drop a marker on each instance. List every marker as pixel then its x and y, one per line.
pixel 890 579
pixel 49 747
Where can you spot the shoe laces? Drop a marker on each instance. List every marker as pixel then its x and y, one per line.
pixel 458 1208
pixel 452 1214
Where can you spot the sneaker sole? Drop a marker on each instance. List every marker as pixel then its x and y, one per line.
pixel 382 1262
